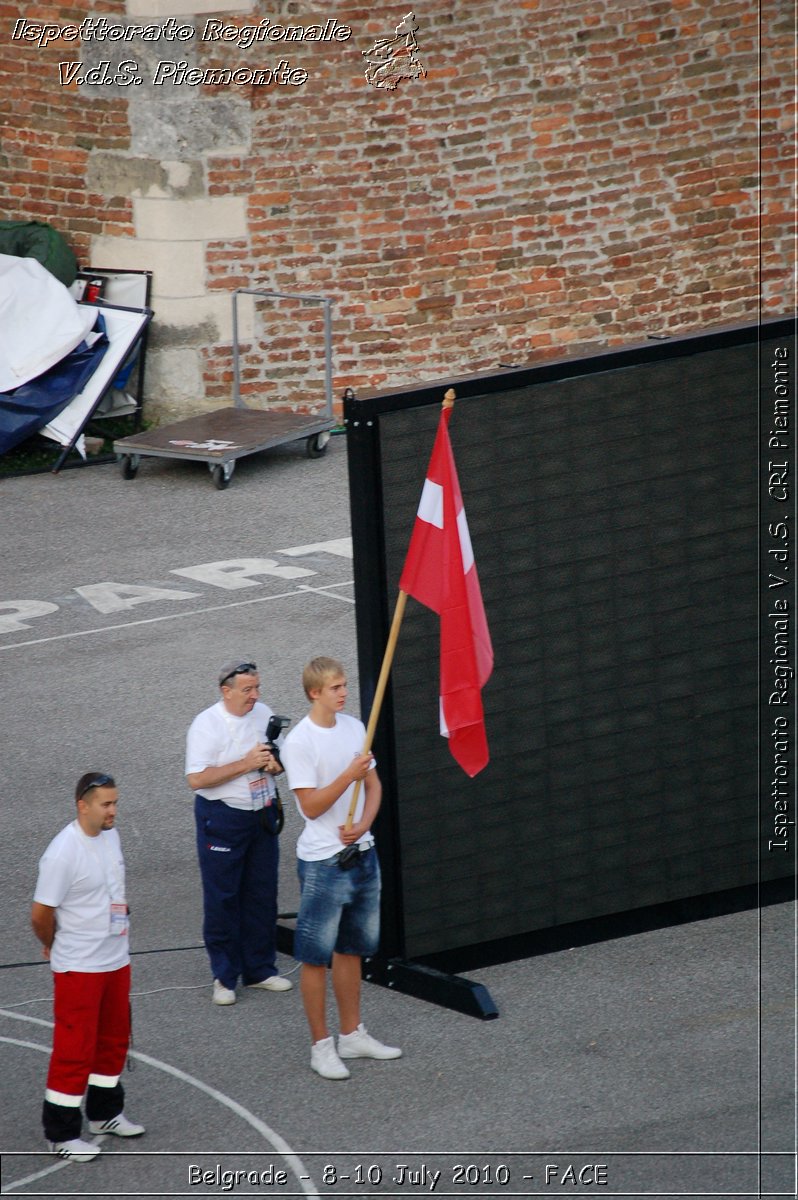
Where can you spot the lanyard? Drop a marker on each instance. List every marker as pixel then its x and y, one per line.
pixel 261 785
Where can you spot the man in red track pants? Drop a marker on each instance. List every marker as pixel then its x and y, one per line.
pixel 80 916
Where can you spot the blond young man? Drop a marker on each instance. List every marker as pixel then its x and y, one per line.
pixel 338 923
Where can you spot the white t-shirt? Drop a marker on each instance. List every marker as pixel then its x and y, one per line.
pixel 216 737
pixel 81 877
pixel 314 756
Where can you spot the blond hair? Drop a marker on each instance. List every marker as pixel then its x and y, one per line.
pixel 318 671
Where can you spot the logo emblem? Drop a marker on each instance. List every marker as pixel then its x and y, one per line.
pixel 393 59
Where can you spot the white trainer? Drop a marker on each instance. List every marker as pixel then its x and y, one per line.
pixel 75 1149
pixel 325 1061
pixel 274 983
pixel 222 994
pixel 119 1126
pixel 360 1044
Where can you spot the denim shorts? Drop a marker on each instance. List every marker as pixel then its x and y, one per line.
pixel 338 910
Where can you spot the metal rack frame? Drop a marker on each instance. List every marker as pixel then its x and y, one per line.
pixel 219 438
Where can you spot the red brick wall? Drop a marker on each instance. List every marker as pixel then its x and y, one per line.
pixel 568 175
pixel 47 132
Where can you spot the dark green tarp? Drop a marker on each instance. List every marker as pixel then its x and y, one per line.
pixel 34 239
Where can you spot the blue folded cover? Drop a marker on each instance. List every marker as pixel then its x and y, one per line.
pixel 33 405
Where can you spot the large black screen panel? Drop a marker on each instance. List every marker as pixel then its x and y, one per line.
pixel 613 510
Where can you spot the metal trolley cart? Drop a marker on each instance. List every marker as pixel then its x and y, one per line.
pixel 221 437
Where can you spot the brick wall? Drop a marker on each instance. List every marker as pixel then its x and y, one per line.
pixel 48 135
pixel 565 176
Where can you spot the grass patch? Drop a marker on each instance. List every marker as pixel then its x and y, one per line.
pixel 38 454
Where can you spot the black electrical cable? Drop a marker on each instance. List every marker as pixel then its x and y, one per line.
pixel 41 962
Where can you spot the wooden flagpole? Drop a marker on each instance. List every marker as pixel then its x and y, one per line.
pixel 387 662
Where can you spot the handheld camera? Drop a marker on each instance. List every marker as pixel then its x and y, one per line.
pixel 274 728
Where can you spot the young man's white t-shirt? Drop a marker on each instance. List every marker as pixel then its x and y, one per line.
pixel 81 877
pixel 215 738
pixel 313 756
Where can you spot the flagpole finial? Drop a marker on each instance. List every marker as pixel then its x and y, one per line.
pixel 448 399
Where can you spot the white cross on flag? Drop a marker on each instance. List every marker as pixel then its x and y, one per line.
pixel 440 573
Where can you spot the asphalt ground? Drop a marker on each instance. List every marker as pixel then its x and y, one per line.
pixel 652 1065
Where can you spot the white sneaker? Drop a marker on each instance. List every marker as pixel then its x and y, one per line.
pixel 119 1126
pixel 274 983
pixel 361 1044
pixel 76 1149
pixel 325 1061
pixel 221 994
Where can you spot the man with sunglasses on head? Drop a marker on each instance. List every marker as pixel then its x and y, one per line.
pixel 236 807
pixel 80 915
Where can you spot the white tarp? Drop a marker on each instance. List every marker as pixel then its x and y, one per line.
pixel 40 323
pixel 122 326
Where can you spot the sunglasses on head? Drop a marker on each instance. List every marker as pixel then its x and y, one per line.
pixel 241 669
pixel 100 781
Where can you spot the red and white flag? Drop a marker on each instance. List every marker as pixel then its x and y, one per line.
pixel 440 573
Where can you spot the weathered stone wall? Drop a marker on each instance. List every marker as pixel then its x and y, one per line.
pixel 566 175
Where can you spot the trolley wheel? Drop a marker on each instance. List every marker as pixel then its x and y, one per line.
pixel 316 445
pixel 128 466
pixel 221 474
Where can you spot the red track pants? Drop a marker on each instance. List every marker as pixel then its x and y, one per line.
pixel 92 1031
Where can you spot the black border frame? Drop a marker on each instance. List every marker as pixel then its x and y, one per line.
pixel 429 976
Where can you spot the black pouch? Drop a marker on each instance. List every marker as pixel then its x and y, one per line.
pixel 348 857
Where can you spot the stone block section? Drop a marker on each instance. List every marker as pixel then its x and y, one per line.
pixel 175 385
pixel 216 219
pixel 158 9
pixel 178 269
pixel 202 320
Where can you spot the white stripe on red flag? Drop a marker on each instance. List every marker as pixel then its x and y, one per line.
pixel 440 573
